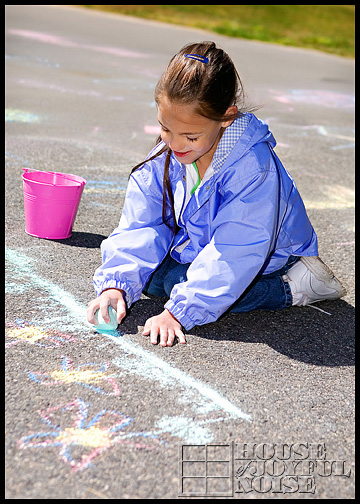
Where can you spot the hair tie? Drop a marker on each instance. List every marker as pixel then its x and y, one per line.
pixel 197 57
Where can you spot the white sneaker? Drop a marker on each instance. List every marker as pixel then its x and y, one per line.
pixel 311 280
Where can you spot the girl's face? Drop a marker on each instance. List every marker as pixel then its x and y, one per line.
pixel 189 135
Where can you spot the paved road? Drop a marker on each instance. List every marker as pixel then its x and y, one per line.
pixel 95 416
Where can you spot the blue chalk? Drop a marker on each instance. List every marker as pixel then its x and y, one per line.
pixel 102 325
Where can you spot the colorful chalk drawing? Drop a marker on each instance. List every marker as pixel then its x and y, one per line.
pixel 79 440
pixel 330 99
pixel 11 158
pixel 90 375
pixel 335 197
pixel 19 271
pixel 48 38
pixel 333 132
pixel 61 89
pixel 22 332
pixel 341 133
pixel 16 115
pixel 106 186
pixel 181 390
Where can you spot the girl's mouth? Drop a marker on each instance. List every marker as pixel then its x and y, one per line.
pixel 181 154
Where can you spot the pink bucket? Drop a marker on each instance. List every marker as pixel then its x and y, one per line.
pixel 51 201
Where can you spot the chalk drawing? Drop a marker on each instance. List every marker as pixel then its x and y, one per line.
pixel 343 244
pixel 343 134
pixel 106 186
pixel 333 132
pixel 185 428
pixel 202 397
pixel 48 38
pixel 330 99
pixel 21 267
pixel 337 197
pixel 80 440
pixel 152 130
pixel 133 358
pixel 46 62
pixel 90 375
pixel 61 89
pixel 16 115
pixel 17 160
pixel 21 332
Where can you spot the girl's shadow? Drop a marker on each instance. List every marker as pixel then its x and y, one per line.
pixel 301 333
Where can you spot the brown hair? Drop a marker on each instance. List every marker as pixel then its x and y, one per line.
pixel 210 83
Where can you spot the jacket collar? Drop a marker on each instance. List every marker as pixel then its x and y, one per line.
pixel 229 138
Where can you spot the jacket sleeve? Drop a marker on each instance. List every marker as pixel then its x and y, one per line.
pixel 140 242
pixel 244 235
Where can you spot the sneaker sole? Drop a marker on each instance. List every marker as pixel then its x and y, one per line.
pixel 322 272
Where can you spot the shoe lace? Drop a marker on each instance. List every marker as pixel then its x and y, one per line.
pixel 319 309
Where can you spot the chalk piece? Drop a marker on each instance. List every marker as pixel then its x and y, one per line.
pixel 102 325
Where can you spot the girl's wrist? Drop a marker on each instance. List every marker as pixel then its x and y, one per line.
pixel 172 316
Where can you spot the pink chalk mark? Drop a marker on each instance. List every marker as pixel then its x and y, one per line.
pixel 47 38
pixel 329 99
pixel 347 243
pixel 152 130
pixel 44 37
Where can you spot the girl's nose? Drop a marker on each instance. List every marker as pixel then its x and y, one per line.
pixel 176 145
pixel 168 138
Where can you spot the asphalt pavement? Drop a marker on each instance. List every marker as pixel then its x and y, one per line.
pixel 258 405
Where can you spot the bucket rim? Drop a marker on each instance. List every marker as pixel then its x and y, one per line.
pixel 78 180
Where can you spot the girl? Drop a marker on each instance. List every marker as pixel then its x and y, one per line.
pixel 211 219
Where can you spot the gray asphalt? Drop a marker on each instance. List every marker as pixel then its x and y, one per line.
pixel 96 416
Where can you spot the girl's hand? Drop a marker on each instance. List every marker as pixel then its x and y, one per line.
pixel 109 297
pixel 167 326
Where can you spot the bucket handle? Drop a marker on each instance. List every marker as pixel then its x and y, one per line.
pixel 29 169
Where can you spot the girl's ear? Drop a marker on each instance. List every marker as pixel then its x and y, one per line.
pixel 231 111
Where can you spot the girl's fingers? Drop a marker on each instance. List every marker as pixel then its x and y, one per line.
pixel 163 336
pixel 180 335
pixel 147 328
pixel 90 312
pixel 104 304
pixel 171 337
pixel 120 310
pixel 109 297
pixel 167 333
pixel 154 335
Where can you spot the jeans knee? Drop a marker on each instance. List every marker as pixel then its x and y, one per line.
pixel 175 276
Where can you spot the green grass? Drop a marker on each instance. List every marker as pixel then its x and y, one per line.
pixel 329 28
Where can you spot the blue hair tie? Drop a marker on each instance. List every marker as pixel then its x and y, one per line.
pixel 197 57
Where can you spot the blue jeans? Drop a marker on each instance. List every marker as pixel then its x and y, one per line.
pixel 266 292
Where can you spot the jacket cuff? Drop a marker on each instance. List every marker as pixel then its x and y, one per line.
pixel 113 284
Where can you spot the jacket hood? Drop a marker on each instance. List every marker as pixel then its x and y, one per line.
pixel 237 140
pixel 256 132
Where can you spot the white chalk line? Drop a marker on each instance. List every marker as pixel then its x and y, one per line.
pixel 160 370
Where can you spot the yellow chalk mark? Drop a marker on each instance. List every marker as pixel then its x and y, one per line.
pixel 338 197
pixel 30 334
pixel 93 437
pixel 16 115
pixel 85 376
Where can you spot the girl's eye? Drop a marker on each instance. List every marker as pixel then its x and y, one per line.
pixel 192 139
